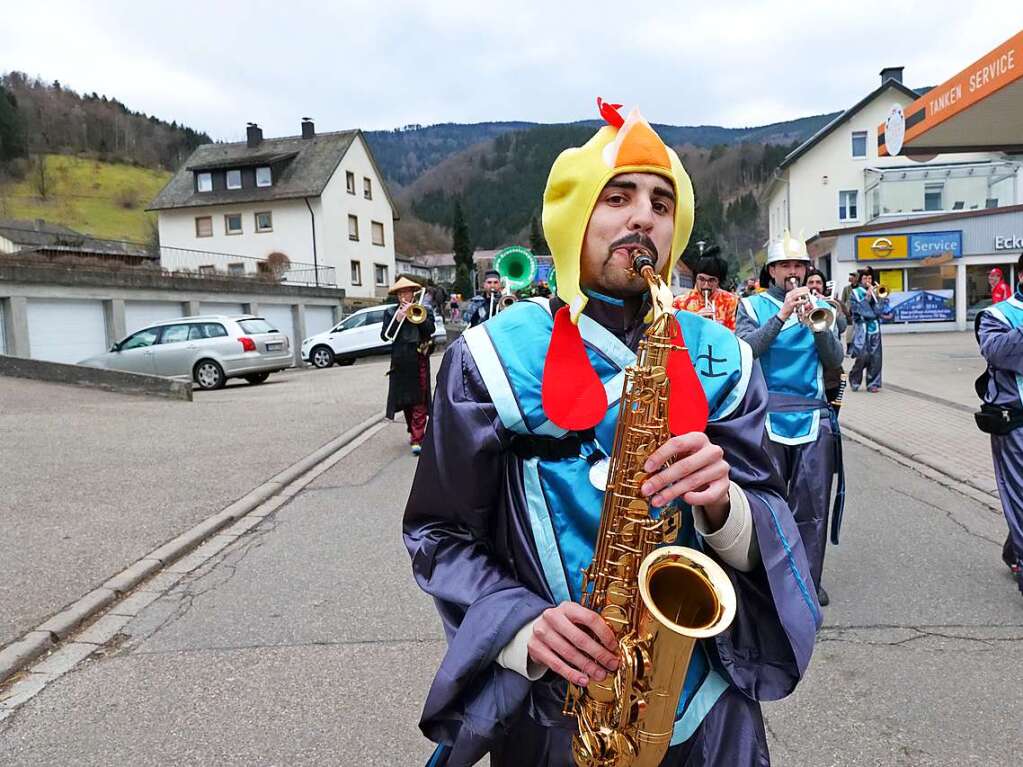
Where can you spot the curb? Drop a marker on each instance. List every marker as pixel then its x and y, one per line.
pixel 116 381
pixel 36 642
pixel 939 474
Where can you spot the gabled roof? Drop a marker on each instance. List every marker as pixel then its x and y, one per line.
pixel 40 235
pixel 847 115
pixel 310 164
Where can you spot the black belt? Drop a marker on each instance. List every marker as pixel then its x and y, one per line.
pixel 527 446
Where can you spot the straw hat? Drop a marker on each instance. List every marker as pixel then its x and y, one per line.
pixel 404 283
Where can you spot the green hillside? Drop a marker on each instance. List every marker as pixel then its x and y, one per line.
pixel 98 198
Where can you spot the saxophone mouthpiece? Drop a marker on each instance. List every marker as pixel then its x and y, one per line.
pixel 641 259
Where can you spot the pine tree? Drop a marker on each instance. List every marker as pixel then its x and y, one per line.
pixel 12 130
pixel 537 243
pixel 463 248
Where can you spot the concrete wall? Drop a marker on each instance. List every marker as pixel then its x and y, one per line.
pixel 21 284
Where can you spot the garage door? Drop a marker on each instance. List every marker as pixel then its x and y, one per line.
pixel 279 316
pixel 216 307
pixel 65 331
pixel 138 314
pixel 318 319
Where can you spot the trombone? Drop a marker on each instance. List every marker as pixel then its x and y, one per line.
pixel 415 313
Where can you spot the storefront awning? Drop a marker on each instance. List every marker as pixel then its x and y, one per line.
pixel 979 109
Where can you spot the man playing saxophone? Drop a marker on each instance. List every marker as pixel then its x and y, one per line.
pixel 506 504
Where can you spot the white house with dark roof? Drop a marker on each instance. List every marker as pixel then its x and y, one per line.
pixel 836 178
pixel 318 199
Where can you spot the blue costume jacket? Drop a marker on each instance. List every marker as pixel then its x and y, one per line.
pixel 496 539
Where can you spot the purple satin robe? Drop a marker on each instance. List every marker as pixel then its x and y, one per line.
pixel 467 530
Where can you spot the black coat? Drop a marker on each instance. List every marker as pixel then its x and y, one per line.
pixel 403 390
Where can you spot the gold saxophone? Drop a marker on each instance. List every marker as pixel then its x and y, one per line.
pixel 658 599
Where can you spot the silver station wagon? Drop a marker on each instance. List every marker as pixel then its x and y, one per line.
pixel 207 350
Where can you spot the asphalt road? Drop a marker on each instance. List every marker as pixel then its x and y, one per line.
pixel 92 480
pixel 307 642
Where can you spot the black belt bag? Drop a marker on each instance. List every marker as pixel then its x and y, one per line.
pixel 998 420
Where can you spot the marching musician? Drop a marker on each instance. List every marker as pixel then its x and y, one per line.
pixel 832 375
pixel 999 331
pixel 867 307
pixel 408 388
pixel 484 304
pixel 801 435
pixel 505 505
pixel 707 297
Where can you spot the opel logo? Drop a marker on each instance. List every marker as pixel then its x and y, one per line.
pixel 882 247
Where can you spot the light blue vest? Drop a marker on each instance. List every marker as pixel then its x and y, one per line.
pixel 860 294
pixel 564 506
pixel 1010 311
pixel 791 366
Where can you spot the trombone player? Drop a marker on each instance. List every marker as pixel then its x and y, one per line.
pixel 790 334
pixel 409 326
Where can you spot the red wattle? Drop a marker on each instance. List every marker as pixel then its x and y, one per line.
pixel 573 396
pixel 687 402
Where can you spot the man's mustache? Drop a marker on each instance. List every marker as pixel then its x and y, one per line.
pixel 636 238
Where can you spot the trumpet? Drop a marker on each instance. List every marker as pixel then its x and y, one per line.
pixel 818 318
pixel 416 313
pixel 881 292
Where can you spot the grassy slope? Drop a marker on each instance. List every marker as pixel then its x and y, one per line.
pixel 89 196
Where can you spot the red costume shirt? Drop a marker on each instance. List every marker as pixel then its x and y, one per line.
pixel 1000 292
pixel 725 305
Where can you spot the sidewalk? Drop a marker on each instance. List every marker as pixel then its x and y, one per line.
pixel 924 410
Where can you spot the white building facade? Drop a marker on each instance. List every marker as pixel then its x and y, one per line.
pixel 317 200
pixel 836 182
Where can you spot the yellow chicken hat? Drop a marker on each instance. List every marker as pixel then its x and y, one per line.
pixel 624 145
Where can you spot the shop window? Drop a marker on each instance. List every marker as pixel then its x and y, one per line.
pixel 978 290
pixel 930 295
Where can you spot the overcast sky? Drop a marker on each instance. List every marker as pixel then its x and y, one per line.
pixel 217 65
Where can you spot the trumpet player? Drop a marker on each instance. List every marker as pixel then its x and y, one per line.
pixel 867 306
pixel 410 331
pixel 506 502
pixel 484 304
pixel 832 375
pixel 800 430
pixel 707 297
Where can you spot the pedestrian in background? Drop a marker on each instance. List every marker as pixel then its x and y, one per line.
pixel 999 330
pixel 832 374
pixel 1000 289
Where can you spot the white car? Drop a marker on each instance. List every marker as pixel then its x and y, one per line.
pixel 357 335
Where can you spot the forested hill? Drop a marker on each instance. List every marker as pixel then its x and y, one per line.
pixel 47 118
pixel 500 183
pixel 404 154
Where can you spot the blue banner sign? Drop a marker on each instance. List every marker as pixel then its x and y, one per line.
pixel 922 306
pixel 930 244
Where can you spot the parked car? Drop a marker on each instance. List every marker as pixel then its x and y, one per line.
pixel 357 335
pixel 208 350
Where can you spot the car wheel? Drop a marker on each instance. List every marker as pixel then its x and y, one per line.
pixel 208 375
pixel 257 378
pixel 322 357
pixel 346 361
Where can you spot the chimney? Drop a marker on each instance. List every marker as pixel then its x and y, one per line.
pixel 308 129
pixel 891 73
pixel 253 135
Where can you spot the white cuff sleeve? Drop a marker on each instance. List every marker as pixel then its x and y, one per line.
pixel 515 655
pixel 735 542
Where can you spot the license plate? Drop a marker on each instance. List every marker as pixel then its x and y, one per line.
pixel 274 347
